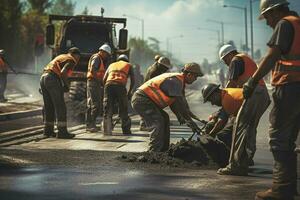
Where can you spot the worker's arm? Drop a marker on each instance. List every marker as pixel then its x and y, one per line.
pixel 64 74
pixel 174 107
pixel 264 67
pixel 191 114
pixel 132 81
pixel 219 125
pixel 105 76
pixel 236 69
pixel 96 61
pixel 267 63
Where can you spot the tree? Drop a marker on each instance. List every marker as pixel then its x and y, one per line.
pixel 10 16
pixel 63 7
pixel 40 5
pixel 85 11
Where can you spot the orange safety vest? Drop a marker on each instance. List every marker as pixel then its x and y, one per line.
pixel 152 89
pixel 249 69
pixel 287 69
pixel 101 71
pixel 55 64
pixel 232 99
pixel 3 67
pixel 118 72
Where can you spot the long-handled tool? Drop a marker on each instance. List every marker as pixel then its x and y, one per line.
pixel 236 127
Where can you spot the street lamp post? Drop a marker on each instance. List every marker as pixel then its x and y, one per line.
pixel 251 27
pixel 222 27
pixel 212 30
pixel 139 19
pixel 246 25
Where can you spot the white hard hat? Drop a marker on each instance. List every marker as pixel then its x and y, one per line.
pixel 2 52
pixel 123 57
pixel 106 48
pixel 226 49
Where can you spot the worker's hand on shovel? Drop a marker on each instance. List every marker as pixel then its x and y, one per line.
pixel 193 126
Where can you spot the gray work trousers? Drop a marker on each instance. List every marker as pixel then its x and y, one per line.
pixel 243 144
pixel 54 103
pixel 94 102
pixel 3 83
pixel 116 93
pixel 156 119
pixel 283 133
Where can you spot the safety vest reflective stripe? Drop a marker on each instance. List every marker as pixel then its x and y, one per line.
pixel 153 91
pixel 250 68
pixel 287 69
pixel 54 65
pixel 101 69
pixel 232 99
pixel 118 72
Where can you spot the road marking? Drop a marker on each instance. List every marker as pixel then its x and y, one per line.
pixel 14 160
pixel 100 183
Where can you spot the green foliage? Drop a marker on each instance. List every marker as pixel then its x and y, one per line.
pixel 63 7
pixel 40 6
pixel 10 15
pixel 85 11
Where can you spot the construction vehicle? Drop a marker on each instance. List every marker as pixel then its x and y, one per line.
pixel 88 33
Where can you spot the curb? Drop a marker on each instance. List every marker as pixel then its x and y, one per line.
pixel 20 114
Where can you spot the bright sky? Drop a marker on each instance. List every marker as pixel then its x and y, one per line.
pixel 171 18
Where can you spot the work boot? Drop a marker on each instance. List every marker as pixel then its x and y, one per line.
pixel 235 171
pixel 272 195
pixel 64 134
pixel 107 126
pixel 284 178
pixel 49 132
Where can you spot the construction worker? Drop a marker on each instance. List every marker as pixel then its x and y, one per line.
pixel 3 76
pixel 283 58
pixel 241 68
pixel 96 69
pixel 231 100
pixel 54 82
pixel 159 92
pixel 115 80
pixel 160 66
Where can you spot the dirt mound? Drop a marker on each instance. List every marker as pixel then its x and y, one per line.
pixel 206 152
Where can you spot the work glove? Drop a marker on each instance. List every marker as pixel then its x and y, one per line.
pixel 193 126
pixel 249 88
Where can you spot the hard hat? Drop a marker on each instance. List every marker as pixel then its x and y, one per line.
pixel 226 49
pixel 165 62
pixel 193 68
pixel 74 50
pixel 2 52
pixel 106 48
pixel 266 5
pixel 123 57
pixel 208 90
pixel 156 57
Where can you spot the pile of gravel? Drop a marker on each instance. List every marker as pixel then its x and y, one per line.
pixel 206 152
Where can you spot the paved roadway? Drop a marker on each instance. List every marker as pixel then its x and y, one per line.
pixel 86 168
